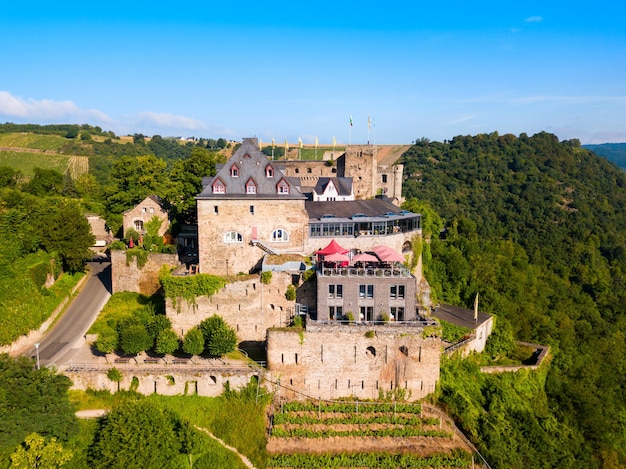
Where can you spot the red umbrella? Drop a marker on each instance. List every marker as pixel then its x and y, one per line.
pixel 140 238
pixel 386 254
pixel 332 248
pixel 336 257
pixel 131 243
pixel 364 257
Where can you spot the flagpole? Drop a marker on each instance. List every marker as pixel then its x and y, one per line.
pixel 350 132
pixel 369 124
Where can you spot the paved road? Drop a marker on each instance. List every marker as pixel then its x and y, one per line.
pixel 63 340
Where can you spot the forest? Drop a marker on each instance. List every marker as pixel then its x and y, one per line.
pixel 537 228
pixel 615 152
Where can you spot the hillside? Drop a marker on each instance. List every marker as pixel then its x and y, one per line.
pixel 537 227
pixel 615 152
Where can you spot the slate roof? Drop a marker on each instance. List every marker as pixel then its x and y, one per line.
pixel 371 208
pixel 342 184
pixel 251 164
pixel 460 316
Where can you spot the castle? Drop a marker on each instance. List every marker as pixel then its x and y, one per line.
pixel 363 334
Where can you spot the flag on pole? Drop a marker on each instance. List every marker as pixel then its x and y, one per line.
pixel 334 143
pixel 272 143
pixel 315 142
pixel 369 122
pixel 350 120
pixel 299 142
pixel 286 145
pixel 476 307
pixel 260 144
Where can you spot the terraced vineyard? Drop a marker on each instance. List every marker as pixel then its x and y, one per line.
pixel 363 435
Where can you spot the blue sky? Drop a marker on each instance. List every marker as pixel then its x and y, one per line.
pixel 285 70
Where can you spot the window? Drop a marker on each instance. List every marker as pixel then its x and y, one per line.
pixel 143 209
pixel 335 291
pixel 252 209
pixel 269 171
pixel 366 291
pixel 282 187
pixel 396 292
pixel 216 209
pixel 384 178
pixel 335 312
pixel 233 237
pixel 250 187
pixel 397 313
pixel 234 171
pixel 151 209
pixel 280 236
pixel 219 187
pixel 366 313
pixel 309 170
pixel 139 226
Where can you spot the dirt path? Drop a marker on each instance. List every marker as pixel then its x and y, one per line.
pixel 245 460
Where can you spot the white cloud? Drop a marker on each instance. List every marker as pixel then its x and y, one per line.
pixel 161 119
pixel 47 110
pixel 534 19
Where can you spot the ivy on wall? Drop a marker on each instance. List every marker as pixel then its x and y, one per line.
pixel 189 287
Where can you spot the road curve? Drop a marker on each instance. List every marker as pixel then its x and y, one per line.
pixel 58 344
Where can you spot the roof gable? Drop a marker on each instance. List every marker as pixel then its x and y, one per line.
pixel 252 165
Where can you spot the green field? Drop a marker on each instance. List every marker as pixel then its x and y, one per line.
pixel 26 162
pixel 30 140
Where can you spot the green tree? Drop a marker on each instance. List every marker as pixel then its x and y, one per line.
pixel 193 343
pixel 116 376
pixel 36 452
pixel 135 434
pixel 9 177
pixel 107 341
pixel 33 401
pixel 167 342
pixel 45 182
pixel 219 337
pixel 66 231
pixel 134 339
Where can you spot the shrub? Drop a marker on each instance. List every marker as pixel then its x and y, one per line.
pixel 266 277
pixel 290 294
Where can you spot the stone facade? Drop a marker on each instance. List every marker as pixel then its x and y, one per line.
pixel 137 217
pixel 144 280
pixel 358 162
pixel 361 361
pixel 223 253
pixel 249 306
pixel 368 294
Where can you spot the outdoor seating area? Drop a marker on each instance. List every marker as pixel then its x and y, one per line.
pixel 379 261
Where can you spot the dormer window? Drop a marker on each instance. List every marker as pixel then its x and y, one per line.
pixel 219 187
pixel 269 172
pixel 282 187
pixel 250 186
pixel 234 171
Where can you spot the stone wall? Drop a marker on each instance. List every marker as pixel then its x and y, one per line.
pixel 249 306
pixel 167 382
pixel 132 278
pixel 340 361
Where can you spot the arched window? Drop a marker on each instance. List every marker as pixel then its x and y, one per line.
pixel 233 237
pixel 404 350
pixel 234 171
pixel 371 351
pixel 280 236
pixel 269 171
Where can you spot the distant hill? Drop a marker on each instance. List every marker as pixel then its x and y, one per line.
pixel 615 152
